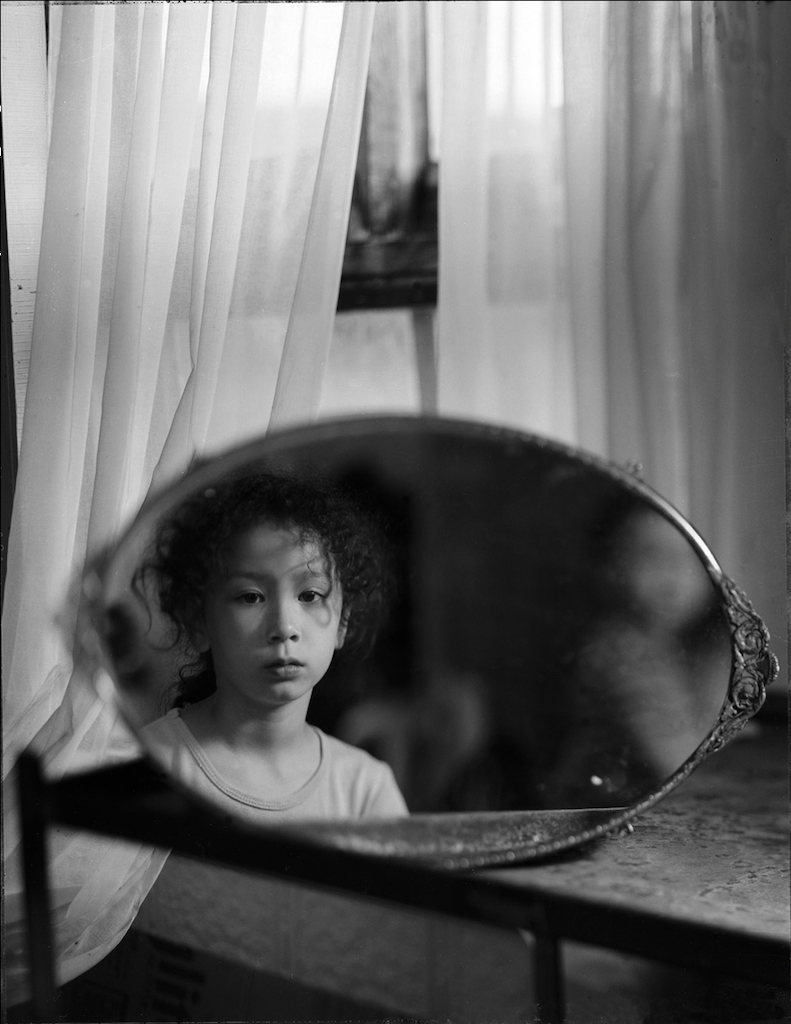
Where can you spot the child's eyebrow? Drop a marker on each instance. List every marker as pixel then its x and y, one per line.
pixel 305 571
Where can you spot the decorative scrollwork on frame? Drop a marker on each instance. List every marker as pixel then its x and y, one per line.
pixel 754 666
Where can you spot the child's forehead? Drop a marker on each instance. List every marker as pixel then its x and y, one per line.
pixel 271 541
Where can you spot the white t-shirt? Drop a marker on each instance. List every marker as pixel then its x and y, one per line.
pixel 348 783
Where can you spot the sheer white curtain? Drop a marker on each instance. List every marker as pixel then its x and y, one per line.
pixel 613 181
pixel 504 341
pixel 199 179
pixel 184 221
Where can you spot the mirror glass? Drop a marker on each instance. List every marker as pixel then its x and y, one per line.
pixel 558 643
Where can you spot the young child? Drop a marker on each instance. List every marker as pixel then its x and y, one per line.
pixel 265 576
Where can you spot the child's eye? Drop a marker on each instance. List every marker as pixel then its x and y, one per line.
pixel 311 596
pixel 250 597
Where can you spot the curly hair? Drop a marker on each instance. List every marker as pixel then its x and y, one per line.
pixel 192 543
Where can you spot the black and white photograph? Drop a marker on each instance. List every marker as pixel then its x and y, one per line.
pixel 394 511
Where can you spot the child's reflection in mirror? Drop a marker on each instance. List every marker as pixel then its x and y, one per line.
pixel 264 577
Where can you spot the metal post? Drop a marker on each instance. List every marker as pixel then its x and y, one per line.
pixel 426 355
pixel 32 800
pixel 549 979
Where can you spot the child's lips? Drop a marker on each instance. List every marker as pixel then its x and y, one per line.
pixel 285 668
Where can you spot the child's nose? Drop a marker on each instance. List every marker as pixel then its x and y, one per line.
pixel 282 624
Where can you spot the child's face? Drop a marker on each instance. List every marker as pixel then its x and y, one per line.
pixel 272 620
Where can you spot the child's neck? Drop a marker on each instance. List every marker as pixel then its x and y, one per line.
pixel 248 725
pixel 273 748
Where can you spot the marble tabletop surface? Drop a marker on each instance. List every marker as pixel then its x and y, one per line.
pixel 715 851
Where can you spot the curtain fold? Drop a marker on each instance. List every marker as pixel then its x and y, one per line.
pixel 43 536
pixel 178 221
pixel 504 341
pixel 644 208
pixel 613 210
pixel 465 367
pixel 182 206
pixel 228 214
pixel 307 344
pixel 585 174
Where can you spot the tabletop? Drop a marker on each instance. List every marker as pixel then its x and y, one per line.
pixel 711 860
pixel 701 881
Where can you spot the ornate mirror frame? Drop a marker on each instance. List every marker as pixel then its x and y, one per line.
pixel 469 839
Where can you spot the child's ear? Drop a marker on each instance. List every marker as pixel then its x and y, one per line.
pixel 196 631
pixel 341 637
pixel 199 640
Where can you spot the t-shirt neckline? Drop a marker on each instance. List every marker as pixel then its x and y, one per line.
pixel 220 782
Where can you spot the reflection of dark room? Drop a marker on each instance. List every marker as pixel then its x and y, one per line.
pixel 390 666
pixel 545 599
pixel 652 637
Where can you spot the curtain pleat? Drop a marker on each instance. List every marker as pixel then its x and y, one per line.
pixel 611 271
pixel 642 287
pixel 43 537
pixel 181 196
pixel 128 353
pixel 174 407
pixel 222 29
pixel 183 63
pixel 229 205
pixel 504 326
pixel 464 368
pixel 585 172
pixel 307 342
pixel 176 220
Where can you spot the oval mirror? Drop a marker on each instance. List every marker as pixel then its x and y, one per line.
pixel 562 649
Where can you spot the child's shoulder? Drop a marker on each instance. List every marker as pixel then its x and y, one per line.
pixel 164 725
pixel 164 736
pixel 369 783
pixel 354 765
pixel 344 754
